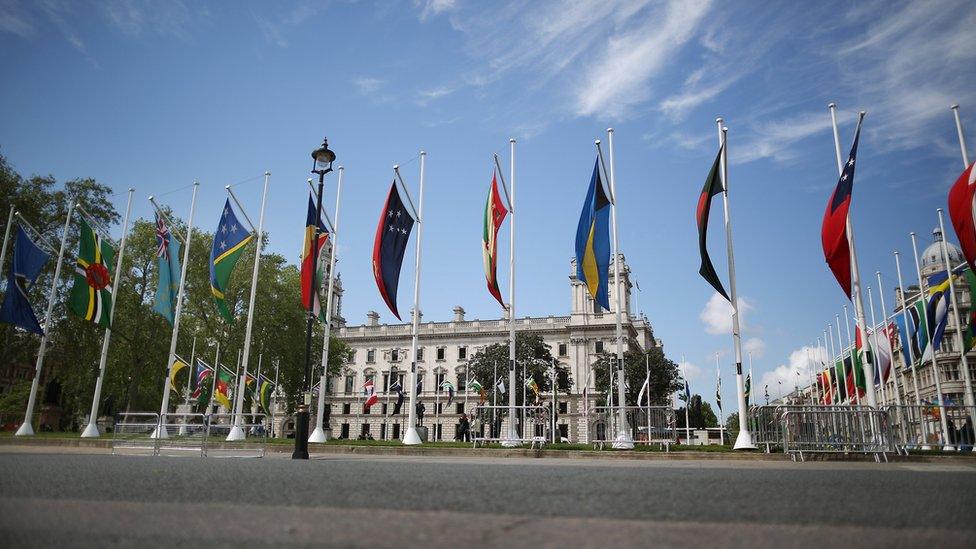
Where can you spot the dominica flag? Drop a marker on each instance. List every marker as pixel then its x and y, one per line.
pixel 713 186
pixel 228 245
pixel 91 295
pixel 593 240
pixel 307 268
pixel 495 213
pixel 222 393
pixel 833 232
pixel 177 366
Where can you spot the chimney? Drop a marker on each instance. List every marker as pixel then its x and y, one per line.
pixel 373 318
pixel 458 314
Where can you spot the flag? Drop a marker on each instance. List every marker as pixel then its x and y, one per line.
pixel 938 307
pixel 222 394
pixel 826 387
pixel 748 386
pixel 884 352
pixel 251 383
pixel 398 388
pixel 718 392
pixel 713 186
pixel 168 259
pixel 643 389
pixel 858 366
pixel 969 336
pixel 27 264
pixel 904 338
pixel 177 366
pixel 495 213
pixel 686 396
pixel 91 295
pixel 593 240
pixel 449 387
pixel 532 385
pixel 392 234
pixel 265 388
pixel 203 378
pixel 475 386
pixel 836 243
pixel 962 213
pixel 228 245
pixel 307 267
pixel 369 395
pixel 919 330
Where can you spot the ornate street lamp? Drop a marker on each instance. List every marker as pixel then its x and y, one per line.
pixel 322 159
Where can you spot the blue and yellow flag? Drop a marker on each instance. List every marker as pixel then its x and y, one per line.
pixel 228 244
pixel 593 240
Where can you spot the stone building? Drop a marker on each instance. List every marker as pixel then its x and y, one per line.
pixel 381 354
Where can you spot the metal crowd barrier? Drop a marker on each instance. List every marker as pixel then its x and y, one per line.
pixel 823 430
pixel 646 424
pixel 185 433
pixel 491 425
pixel 922 427
pixel 766 422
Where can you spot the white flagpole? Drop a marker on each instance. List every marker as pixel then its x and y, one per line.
pixel 318 434
pixel 910 362
pixel 840 355
pixel 752 380
pixel 816 378
pixel 274 406
pixel 6 235
pixel 853 348
pixel 26 429
pixel 866 364
pixel 935 362
pixel 160 430
pixel 894 370
pixel 494 399
pixel 968 396
pixel 721 414
pixel 236 432
pixel 744 439
pixel 827 355
pixel 834 395
pixel 91 431
pixel 410 436
pixel 189 377
pixel 512 439
pixel 962 137
pixel 552 416
pixel 877 347
pixel 213 380
pixel 684 374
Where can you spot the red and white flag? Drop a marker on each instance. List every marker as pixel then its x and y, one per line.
pixel 963 213
pixel 369 394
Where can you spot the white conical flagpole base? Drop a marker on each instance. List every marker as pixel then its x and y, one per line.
pixel 744 441
pixel 511 443
pixel 318 435
pixel 411 438
pixel 25 430
pixel 159 432
pixel 91 431
pixel 623 442
pixel 236 434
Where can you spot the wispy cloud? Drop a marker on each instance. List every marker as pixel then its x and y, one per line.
pixel 433 8
pixel 275 28
pixel 14 19
pixel 172 18
pixel 367 85
pixel 426 96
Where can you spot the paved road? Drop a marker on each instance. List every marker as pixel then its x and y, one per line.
pixel 351 501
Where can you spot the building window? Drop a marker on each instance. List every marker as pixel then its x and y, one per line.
pixel 344 431
pixel 395 355
pixel 462 353
pixel 352 357
pixel 350 383
pixel 347 408
pixel 365 429
pixel 370 356
pixel 599 347
pixel 438 381
pixel 441 352
pixel 562 349
pixel 462 382
pixel 383 431
pixel 459 407
pixel 420 382
pixel 386 381
pixel 329 385
pixel 396 431
pixel 563 407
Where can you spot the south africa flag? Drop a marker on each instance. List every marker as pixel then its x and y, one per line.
pixel 91 295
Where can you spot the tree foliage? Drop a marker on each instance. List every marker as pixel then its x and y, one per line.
pixel 663 375
pixel 530 351
pixel 700 414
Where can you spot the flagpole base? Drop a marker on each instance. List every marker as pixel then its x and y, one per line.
pixel 411 438
pixel 236 434
pixel 623 442
pixel 159 432
pixel 318 436
pixel 91 431
pixel 183 430
pixel 25 430
pixel 744 441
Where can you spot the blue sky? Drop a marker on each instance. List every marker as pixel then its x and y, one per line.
pixel 155 95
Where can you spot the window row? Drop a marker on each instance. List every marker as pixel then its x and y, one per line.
pixel 400 355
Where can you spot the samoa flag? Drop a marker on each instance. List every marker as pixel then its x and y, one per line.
pixel 833 233
pixel 392 235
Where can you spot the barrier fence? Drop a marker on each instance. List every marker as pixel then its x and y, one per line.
pixel 491 425
pixel 822 431
pixel 646 425
pixel 766 425
pixel 144 433
pixel 922 427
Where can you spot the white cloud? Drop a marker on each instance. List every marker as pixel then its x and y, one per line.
pixel 756 346
pixel 717 314
pixel 432 8
pixel 689 370
pixel 803 361
pixel 367 85
pixel 13 20
pixel 426 96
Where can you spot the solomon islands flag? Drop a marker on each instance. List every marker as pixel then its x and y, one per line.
pixel 228 244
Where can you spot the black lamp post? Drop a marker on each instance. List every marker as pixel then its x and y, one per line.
pixel 322 159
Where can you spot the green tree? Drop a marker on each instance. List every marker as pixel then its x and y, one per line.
pixel 531 351
pixel 663 375
pixel 700 414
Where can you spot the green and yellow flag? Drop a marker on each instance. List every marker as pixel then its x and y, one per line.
pixel 178 365
pixel 91 295
pixel 228 244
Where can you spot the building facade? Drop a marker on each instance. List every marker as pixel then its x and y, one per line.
pixel 381 353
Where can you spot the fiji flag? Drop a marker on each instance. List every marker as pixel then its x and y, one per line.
pixel 392 234
pixel 833 233
pixel 27 264
pixel 168 257
pixel 228 245
pixel 593 240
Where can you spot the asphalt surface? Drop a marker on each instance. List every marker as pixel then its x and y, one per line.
pixel 350 501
